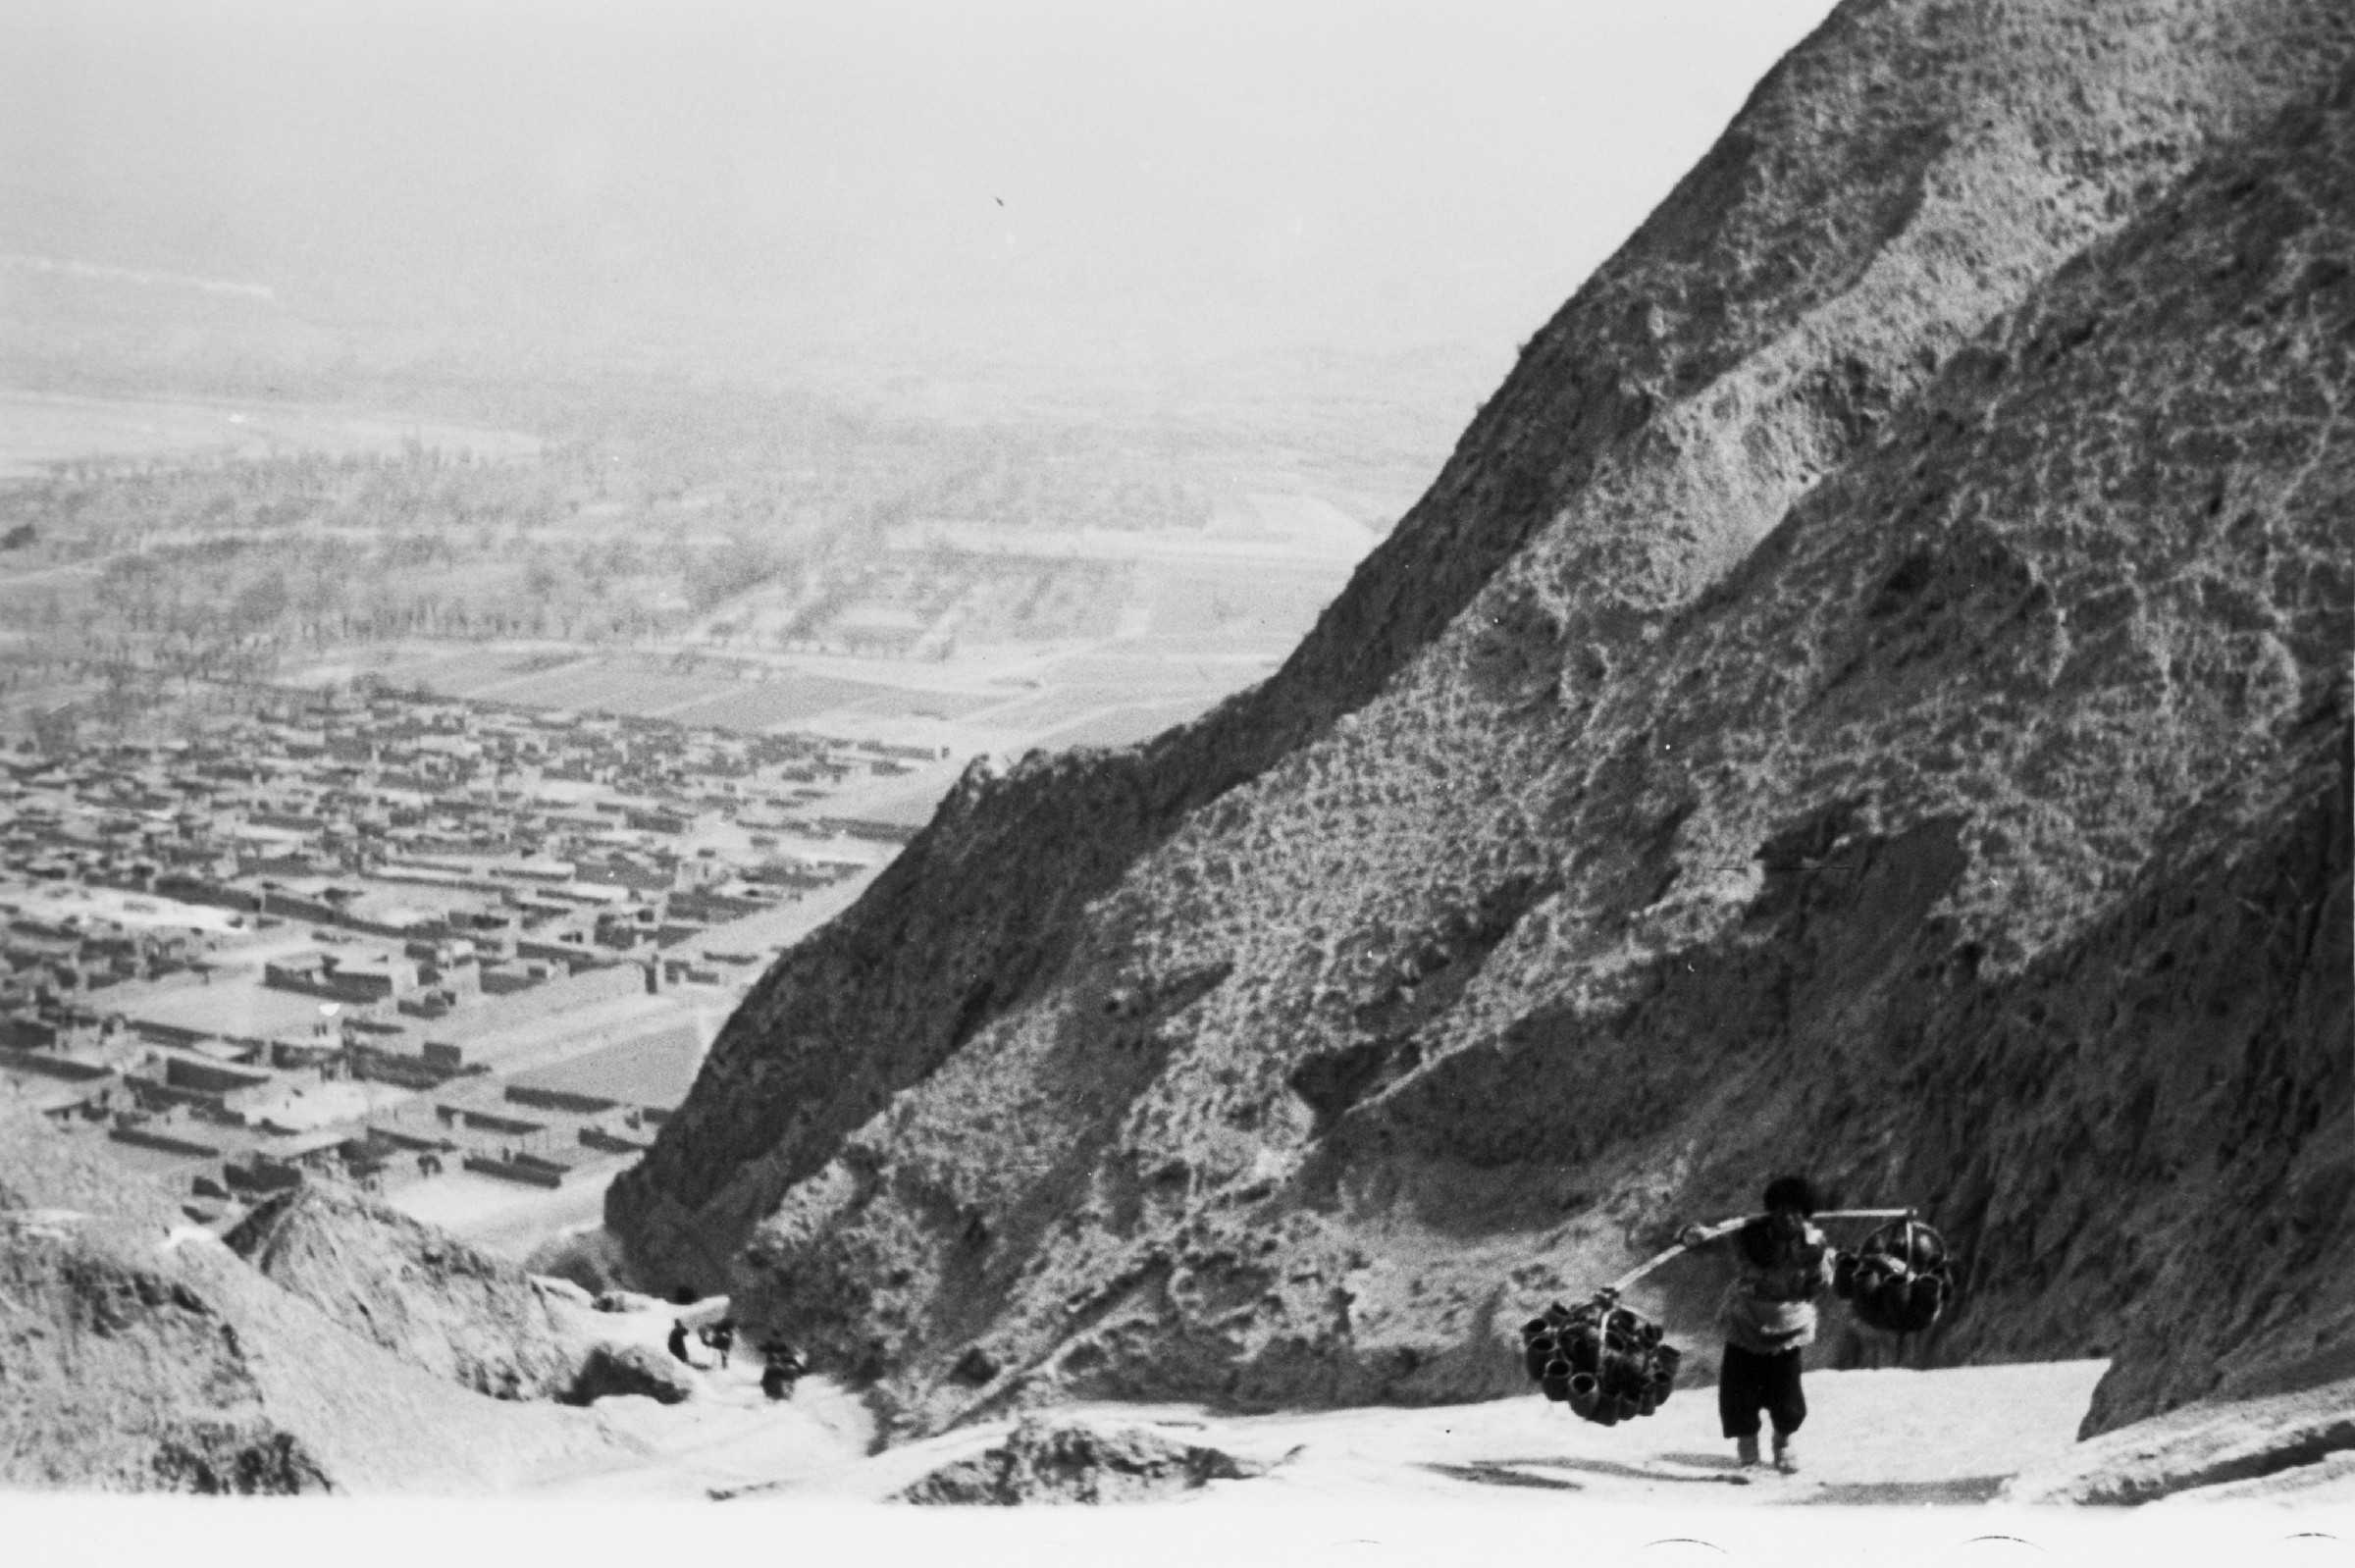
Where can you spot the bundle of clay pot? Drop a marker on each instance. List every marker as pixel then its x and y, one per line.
pixel 1603 1360
pixel 1898 1281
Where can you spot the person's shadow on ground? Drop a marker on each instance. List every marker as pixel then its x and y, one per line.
pixel 1514 1471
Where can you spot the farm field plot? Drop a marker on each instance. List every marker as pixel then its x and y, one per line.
pixel 769 703
pixel 1187 664
pixel 780 928
pixel 1193 646
pixel 1038 716
pixel 657 1073
pixel 912 702
pixel 578 1007
pixel 505 1218
pixel 909 802
pixel 1046 716
pixel 232 1005
pixel 1273 600
pixel 582 678
pixel 1182 633
pixel 615 688
pixel 452 674
pixel 1310 524
pixel 1124 726
pixel 460 670
pixel 482 672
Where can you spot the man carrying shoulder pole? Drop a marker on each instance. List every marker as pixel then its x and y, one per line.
pixel 1768 1316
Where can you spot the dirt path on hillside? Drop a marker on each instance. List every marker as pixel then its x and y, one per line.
pixel 1883 1438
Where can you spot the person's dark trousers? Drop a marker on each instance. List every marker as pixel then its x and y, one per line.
pixel 1748 1382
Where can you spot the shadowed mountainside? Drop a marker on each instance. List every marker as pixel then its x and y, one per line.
pixel 1870 689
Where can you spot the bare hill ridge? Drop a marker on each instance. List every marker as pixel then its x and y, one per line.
pixel 1868 689
pixel 426 1296
pixel 139 1353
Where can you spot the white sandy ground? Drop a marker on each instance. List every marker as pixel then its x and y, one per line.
pixel 1515 1481
pixel 510 1219
pixel 1874 1437
pixel 210 1532
pixel 1888 1438
pixel 1518 1477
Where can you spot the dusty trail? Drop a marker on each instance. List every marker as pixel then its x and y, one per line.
pixel 1888 1438
pixel 728 1436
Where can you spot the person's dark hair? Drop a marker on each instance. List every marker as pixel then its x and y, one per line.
pixel 1791 1192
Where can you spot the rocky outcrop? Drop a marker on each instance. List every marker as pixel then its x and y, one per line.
pixel 422 1295
pixel 118 1377
pixel 1869 691
pixel 1048 1462
pixel 139 1353
pixel 589 1258
pixel 611 1370
pixel 2224 1451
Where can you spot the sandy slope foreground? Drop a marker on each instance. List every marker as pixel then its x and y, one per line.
pixel 727 1437
pixel 1873 1438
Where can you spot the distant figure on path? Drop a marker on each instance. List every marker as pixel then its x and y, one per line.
pixel 781 1368
pixel 723 1338
pixel 1769 1316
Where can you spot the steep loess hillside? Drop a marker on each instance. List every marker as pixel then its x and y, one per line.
pixel 1870 692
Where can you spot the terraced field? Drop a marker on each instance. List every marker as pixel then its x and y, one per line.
pixel 1175 623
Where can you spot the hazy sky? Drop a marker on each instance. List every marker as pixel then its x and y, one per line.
pixel 1360 175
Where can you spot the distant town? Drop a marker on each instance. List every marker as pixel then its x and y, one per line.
pixel 413 801
pixel 402 938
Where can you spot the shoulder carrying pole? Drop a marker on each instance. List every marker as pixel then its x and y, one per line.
pixel 1725 1228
